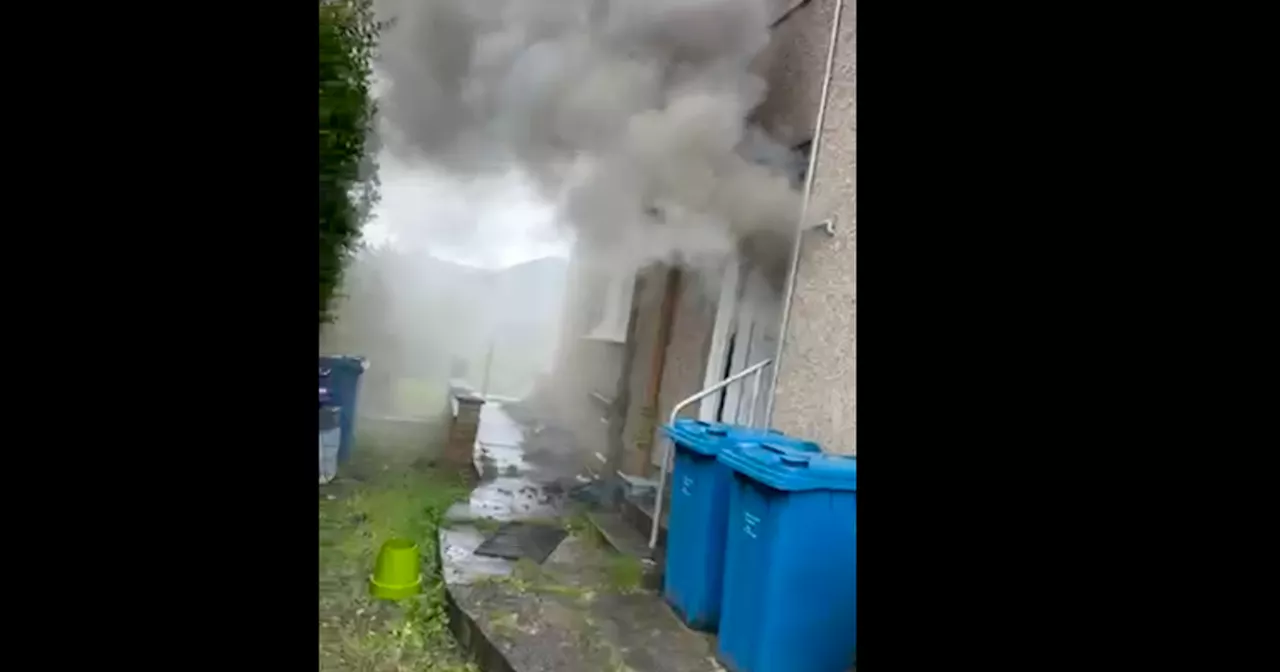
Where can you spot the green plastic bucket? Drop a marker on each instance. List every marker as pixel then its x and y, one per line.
pixel 397 574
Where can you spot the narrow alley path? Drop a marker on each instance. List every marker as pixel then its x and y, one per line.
pixel 583 609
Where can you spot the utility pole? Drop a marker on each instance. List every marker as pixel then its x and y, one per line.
pixel 488 362
pixel 491 309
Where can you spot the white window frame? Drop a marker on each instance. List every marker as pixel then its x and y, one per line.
pixel 726 313
pixel 616 315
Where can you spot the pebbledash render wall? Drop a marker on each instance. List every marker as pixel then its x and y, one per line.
pixel 816 393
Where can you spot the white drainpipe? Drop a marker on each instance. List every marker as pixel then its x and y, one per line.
pixel 801 226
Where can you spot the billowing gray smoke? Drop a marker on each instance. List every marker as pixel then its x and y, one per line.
pixel 629 114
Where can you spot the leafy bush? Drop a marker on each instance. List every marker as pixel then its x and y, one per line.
pixel 348 34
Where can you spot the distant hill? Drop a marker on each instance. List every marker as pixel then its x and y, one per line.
pixel 412 315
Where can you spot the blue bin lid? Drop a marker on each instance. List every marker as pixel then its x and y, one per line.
pixel 784 468
pixel 709 438
pixel 348 362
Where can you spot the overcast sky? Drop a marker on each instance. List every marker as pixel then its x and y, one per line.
pixel 491 222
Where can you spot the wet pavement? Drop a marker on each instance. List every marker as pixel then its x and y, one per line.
pixel 527 490
pixel 584 609
pixel 513 486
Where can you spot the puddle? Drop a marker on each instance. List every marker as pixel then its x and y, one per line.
pixel 506 498
pixel 504 458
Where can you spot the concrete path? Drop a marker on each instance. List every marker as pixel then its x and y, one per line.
pixel 584 609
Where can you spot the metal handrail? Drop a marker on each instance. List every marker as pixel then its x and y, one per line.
pixel 756 369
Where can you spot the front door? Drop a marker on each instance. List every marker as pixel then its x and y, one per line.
pixel 755 340
pixel 746 333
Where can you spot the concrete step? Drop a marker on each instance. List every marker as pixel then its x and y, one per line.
pixel 623 538
pixel 638 486
pixel 619 534
pixel 638 512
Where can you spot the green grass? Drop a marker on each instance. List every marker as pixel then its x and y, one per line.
pixel 357 632
pixel 625 574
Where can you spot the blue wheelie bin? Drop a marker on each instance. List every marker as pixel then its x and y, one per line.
pixel 341 376
pixel 699 509
pixel 790 573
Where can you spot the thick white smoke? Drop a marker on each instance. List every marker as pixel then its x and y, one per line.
pixel 629 115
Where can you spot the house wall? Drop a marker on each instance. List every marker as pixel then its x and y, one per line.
pixel 686 358
pixel 684 361
pixel 793 65
pixel 638 428
pixel 816 394
pixel 816 385
pixel 583 366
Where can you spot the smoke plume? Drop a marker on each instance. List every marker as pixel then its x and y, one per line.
pixel 629 115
